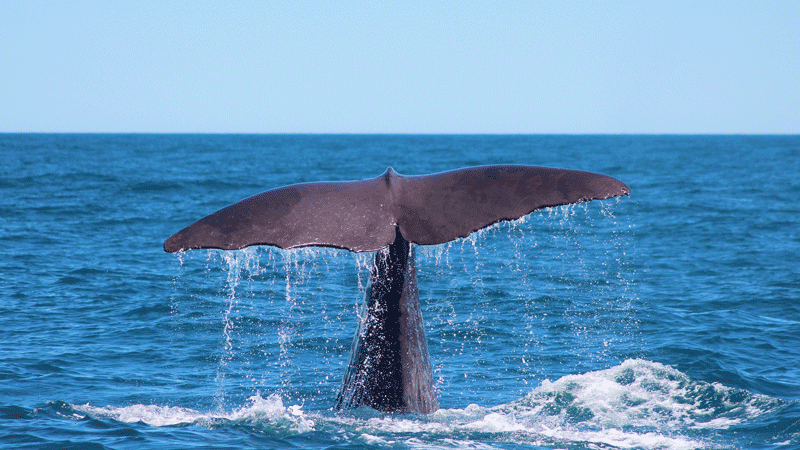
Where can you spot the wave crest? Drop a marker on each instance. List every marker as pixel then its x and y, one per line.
pixel 265 412
pixel 636 404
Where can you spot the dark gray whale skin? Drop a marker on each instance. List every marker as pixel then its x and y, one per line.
pixel 390 368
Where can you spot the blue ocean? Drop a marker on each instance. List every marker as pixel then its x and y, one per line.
pixel 669 319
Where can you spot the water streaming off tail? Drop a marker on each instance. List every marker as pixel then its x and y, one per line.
pixel 273 321
pixel 557 283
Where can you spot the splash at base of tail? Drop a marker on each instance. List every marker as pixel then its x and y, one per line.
pixel 390 368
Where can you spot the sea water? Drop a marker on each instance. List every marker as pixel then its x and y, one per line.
pixel 669 319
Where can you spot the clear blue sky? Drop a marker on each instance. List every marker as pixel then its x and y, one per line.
pixel 400 67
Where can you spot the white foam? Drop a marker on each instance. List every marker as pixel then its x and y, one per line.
pixel 449 444
pixel 270 410
pixel 621 439
pixel 641 394
pixel 496 423
pixel 152 415
pixel 637 404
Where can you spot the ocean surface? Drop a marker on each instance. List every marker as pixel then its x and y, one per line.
pixel 669 319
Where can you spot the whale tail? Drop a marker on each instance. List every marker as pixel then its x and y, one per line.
pixel 361 216
pixel 390 367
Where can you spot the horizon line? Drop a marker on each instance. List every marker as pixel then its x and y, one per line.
pixel 222 133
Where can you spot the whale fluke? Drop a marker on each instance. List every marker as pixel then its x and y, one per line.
pixel 361 216
pixel 390 368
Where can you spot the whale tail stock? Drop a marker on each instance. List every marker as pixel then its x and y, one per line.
pixel 389 367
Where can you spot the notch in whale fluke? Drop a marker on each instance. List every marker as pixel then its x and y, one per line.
pixel 362 215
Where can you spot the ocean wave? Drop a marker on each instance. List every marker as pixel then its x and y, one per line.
pixel 268 411
pixel 636 404
pixel 642 393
